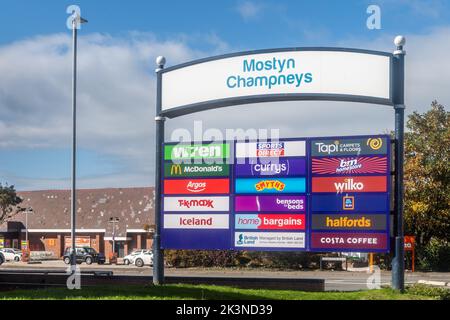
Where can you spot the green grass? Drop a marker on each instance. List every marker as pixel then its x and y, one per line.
pixel 207 292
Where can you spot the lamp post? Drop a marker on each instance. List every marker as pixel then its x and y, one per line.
pixel 77 20
pixel 113 220
pixel 27 211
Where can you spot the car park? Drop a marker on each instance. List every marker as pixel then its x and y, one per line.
pixel 10 254
pixel 84 254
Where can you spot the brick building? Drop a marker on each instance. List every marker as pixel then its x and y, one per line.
pixel 49 224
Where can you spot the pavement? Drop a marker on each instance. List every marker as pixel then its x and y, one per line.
pixel 356 279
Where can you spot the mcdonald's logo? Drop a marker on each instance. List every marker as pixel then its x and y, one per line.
pixel 175 170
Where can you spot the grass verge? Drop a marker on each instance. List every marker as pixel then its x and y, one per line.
pixel 208 292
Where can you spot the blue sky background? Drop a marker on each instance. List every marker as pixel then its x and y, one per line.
pixel 116 81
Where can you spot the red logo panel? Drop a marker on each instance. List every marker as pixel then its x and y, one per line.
pixel 197 186
pixel 349 165
pixel 349 184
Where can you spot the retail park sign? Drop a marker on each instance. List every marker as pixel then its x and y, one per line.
pixel 285 74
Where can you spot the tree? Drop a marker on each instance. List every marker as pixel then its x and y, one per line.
pixel 9 202
pixel 427 176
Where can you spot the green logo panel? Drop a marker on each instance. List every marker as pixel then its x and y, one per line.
pixel 195 170
pixel 197 151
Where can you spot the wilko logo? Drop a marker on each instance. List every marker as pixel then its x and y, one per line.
pixel 351 184
pixel 353 165
pixel 270 221
pixel 196 186
pixel 196 204
pixel 270 149
pixel 270 184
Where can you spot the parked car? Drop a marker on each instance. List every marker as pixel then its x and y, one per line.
pixel 84 254
pixel 144 258
pixel 10 254
pixel 129 259
pixel 2 258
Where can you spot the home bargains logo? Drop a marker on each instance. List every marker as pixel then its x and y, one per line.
pixel 196 204
pixel 351 184
pixel 352 165
pixel 270 221
pixel 196 186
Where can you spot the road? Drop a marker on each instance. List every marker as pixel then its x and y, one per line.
pixel 334 280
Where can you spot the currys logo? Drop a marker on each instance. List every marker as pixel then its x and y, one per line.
pixel 270 149
pixel 271 167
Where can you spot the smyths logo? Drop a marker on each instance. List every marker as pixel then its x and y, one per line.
pixel 270 184
pixel 270 149
pixel 205 203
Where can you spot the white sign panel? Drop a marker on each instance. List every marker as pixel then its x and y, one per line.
pixel 199 221
pixel 286 72
pixel 269 239
pixel 196 204
pixel 270 149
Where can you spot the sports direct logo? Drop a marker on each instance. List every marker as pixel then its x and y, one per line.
pixel 353 184
pixel 270 149
pixel 349 165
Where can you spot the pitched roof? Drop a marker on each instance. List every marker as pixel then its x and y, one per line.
pixel 133 206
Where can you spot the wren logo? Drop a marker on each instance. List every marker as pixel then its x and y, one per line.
pixel 348 185
pixel 196 186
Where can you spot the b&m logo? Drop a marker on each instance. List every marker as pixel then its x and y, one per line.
pixel 350 184
pixel 270 149
pixel 352 165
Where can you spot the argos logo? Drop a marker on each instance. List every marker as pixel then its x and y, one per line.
pixel 196 186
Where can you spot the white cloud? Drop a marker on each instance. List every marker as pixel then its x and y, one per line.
pixel 249 9
pixel 116 99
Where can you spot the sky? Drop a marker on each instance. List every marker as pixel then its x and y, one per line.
pixel 116 79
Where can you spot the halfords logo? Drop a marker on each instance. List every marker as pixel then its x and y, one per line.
pixel 270 149
pixel 205 203
pixel 270 184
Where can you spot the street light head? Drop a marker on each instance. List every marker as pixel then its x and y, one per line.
pixel 400 41
pixel 160 61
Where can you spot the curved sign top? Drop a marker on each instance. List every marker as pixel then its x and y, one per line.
pixel 336 74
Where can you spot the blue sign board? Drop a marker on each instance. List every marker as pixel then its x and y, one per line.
pixel 305 194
